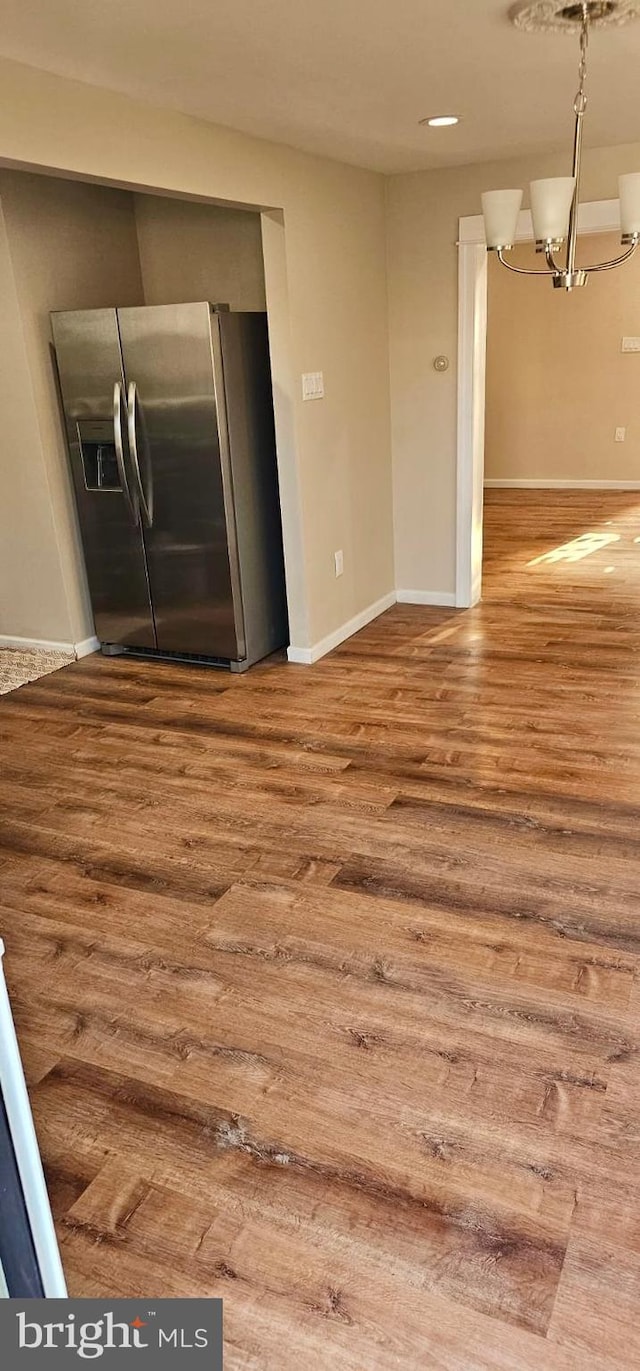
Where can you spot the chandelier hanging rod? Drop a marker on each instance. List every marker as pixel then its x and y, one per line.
pixel 555 201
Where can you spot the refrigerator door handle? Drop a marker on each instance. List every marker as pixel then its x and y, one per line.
pixel 145 496
pixel 119 447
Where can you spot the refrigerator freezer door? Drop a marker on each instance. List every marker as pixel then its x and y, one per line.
pixel 89 368
pixel 189 537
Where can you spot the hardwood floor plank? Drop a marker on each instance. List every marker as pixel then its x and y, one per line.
pixel 597 1302
pixel 294 1302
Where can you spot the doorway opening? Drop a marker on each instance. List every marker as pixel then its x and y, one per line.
pixel 562 434
pixel 485 393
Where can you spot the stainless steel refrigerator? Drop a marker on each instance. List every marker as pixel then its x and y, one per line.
pixel 170 432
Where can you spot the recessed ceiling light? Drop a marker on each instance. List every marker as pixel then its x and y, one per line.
pixel 440 121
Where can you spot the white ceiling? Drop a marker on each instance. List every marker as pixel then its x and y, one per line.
pixel 346 78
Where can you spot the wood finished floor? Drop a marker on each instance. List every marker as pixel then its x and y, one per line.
pixel 326 978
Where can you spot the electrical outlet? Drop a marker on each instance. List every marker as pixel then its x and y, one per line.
pixel 621 434
pixel 630 345
pixel 339 561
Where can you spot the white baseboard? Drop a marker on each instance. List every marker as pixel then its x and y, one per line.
pixel 302 656
pixel 45 644
pixel 544 484
pixel 306 656
pixel 50 645
pixel 445 598
pixel 87 646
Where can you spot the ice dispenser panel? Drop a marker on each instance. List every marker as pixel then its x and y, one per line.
pixel 98 452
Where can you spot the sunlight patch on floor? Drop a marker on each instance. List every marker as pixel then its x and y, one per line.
pixel 580 547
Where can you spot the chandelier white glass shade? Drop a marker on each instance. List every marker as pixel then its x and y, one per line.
pixel 501 209
pixel 554 200
pixel 551 202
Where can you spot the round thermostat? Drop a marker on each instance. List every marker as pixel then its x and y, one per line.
pixel 441 363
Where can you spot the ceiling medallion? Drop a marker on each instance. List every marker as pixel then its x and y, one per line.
pixel 555 200
pixel 551 16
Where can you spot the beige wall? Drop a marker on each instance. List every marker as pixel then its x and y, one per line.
pixel 558 384
pixel 30 571
pixel 423 213
pixel 190 251
pixel 68 246
pixel 338 451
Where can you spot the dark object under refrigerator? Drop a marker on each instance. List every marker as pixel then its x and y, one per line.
pixel 19 1270
pixel 30 1264
pixel 169 419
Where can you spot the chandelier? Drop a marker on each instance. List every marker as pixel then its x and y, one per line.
pixel 555 200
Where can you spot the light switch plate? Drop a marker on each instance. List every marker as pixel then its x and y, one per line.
pixel 312 385
pixel 631 344
pixel 621 434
